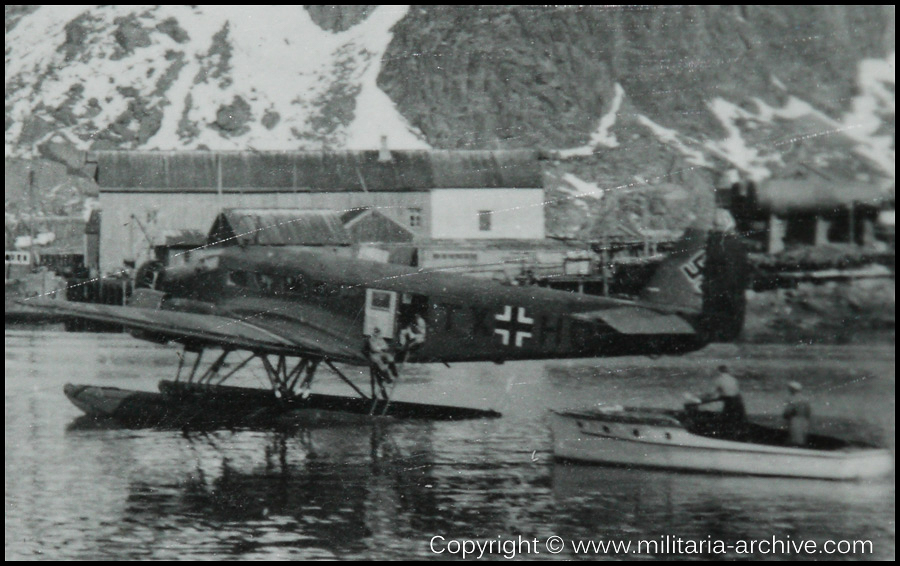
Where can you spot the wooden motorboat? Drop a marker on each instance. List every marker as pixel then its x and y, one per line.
pixel 695 440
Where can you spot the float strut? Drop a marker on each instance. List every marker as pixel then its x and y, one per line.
pixel 235 370
pixel 344 377
pixel 196 364
pixel 213 370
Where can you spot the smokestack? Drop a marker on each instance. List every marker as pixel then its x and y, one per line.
pixel 384 154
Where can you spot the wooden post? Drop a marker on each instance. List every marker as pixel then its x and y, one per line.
pixel 775 234
pixel 604 258
pixel 822 226
pixel 867 237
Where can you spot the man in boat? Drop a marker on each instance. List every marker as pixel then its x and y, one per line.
pixel 727 390
pixel 797 413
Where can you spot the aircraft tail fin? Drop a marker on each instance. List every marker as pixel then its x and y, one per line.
pixel 706 275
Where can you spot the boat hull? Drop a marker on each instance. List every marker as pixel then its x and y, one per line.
pixel 663 442
pixel 181 404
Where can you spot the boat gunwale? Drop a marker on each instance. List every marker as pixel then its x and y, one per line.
pixel 670 419
pixel 774 450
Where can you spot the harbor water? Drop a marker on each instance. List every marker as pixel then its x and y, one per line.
pixel 384 489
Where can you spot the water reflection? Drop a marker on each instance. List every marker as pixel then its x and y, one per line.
pixel 380 490
pixel 326 492
pixel 626 504
pixel 356 491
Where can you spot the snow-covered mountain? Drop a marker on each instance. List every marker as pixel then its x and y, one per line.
pixel 621 98
pixel 221 77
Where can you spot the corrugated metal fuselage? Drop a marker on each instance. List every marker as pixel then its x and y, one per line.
pixel 465 319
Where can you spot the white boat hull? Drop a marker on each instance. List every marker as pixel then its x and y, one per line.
pixel 662 444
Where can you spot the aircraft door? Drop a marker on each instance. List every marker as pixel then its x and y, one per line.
pixel 381 312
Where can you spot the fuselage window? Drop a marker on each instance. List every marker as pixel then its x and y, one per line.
pixel 296 284
pixel 280 285
pixel 239 279
pixel 265 282
pixel 320 288
pixel 447 312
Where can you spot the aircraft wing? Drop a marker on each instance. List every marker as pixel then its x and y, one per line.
pixel 638 320
pixel 210 330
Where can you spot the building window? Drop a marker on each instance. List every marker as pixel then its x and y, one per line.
pixel 484 220
pixel 415 217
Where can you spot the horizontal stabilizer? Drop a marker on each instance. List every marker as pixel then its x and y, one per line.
pixel 637 320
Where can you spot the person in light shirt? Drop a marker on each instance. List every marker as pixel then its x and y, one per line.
pixel 380 356
pixel 728 391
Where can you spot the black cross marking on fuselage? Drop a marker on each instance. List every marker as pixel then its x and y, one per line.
pixel 520 328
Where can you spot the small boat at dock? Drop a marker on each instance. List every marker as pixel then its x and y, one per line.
pixel 692 440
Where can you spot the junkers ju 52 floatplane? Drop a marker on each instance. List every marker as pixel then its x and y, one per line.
pixel 293 312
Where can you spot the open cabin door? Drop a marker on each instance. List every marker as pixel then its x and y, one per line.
pixel 381 312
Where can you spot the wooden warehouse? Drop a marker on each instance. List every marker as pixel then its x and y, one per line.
pixel 449 195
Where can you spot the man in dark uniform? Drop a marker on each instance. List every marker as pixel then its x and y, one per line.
pixel 797 413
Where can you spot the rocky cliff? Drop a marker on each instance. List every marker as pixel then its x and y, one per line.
pixel 649 101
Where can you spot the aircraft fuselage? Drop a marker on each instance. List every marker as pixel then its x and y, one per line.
pixel 464 318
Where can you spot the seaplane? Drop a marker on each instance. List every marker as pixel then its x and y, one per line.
pixel 293 312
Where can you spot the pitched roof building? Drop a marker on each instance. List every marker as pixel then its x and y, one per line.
pixel 431 194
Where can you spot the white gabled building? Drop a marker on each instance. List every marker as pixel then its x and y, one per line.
pixel 438 195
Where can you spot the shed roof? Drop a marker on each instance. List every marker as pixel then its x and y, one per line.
pixel 343 171
pixel 353 214
pixel 368 225
pixel 68 233
pixel 812 194
pixel 279 227
pixel 186 238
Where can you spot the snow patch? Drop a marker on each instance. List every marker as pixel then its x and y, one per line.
pixel 580 151
pixel 380 116
pixel 863 125
pixel 734 149
pixel 674 139
pixel 603 136
pixel 90 205
pixel 579 188
pixel 276 59
pixel 871 109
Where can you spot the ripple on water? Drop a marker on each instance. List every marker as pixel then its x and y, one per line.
pixel 382 490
